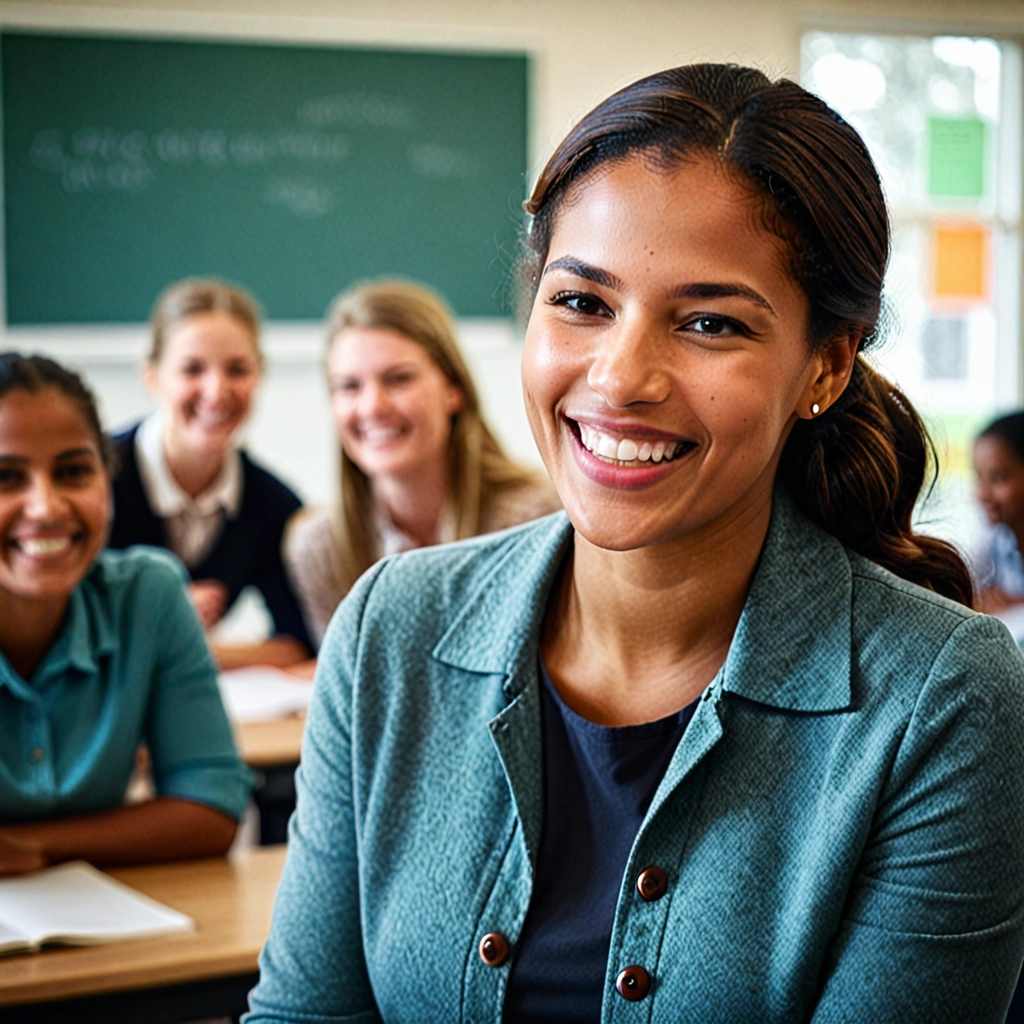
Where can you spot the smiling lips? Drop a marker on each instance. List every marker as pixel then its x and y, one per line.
pixel 629 451
pixel 379 436
pixel 214 419
pixel 44 547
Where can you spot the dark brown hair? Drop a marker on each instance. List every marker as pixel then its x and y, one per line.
pixel 34 373
pixel 859 469
pixel 1010 430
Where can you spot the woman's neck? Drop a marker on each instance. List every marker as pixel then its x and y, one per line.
pixel 414 502
pixel 632 636
pixel 28 629
pixel 194 471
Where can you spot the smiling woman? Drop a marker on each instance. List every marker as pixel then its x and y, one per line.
pixel 419 465
pixel 100 653
pixel 186 485
pixel 726 740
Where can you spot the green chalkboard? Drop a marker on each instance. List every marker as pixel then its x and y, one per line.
pixel 292 170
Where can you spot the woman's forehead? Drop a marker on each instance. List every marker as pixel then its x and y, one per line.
pixel 692 220
pixel 44 419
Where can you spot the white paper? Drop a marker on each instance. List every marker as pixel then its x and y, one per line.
pixel 11 940
pixel 75 903
pixel 262 694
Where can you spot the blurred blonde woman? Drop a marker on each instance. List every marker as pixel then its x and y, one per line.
pixel 419 466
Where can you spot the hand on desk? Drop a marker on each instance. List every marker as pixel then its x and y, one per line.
pixel 19 856
pixel 211 600
pixel 162 829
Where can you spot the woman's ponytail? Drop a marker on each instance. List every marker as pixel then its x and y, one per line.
pixel 858 472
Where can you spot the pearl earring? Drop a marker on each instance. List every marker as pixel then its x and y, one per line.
pixel 815 409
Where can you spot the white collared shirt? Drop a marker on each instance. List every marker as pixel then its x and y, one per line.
pixel 392 540
pixel 193 524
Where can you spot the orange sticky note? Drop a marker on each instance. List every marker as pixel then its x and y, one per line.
pixel 961 262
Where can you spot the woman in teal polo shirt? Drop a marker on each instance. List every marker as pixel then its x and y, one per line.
pixel 724 744
pixel 100 653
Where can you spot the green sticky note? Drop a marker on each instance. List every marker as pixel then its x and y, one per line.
pixel 956 157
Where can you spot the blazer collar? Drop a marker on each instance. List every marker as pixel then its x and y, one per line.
pixel 791 648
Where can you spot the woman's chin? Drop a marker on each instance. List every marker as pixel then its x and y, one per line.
pixel 211 439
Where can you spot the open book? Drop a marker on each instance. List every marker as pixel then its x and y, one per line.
pixel 77 905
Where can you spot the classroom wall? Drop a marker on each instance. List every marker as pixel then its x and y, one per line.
pixel 581 49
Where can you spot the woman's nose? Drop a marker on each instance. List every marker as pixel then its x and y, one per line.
pixel 44 502
pixel 373 399
pixel 627 366
pixel 215 386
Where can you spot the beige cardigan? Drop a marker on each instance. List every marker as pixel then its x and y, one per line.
pixel 311 556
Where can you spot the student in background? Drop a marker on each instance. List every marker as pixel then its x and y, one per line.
pixel 418 464
pixel 100 652
pixel 999 468
pixel 183 483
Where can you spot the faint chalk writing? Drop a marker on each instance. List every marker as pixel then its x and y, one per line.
pixel 436 161
pixel 90 176
pixel 99 159
pixel 306 199
pixel 358 110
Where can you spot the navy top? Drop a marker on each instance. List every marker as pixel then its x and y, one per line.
pixel 246 553
pixel 598 784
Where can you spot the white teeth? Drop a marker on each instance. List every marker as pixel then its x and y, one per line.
pixel 381 435
pixel 214 419
pixel 626 449
pixel 43 547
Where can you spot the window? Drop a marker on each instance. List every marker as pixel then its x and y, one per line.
pixel 942 118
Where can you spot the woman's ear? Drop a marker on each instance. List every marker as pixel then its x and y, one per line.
pixel 835 367
pixel 149 376
pixel 454 399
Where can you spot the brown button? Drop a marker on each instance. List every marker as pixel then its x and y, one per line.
pixel 494 949
pixel 652 884
pixel 633 983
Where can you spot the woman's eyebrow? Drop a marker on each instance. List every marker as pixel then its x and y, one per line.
pixel 586 271
pixel 714 290
pixel 75 453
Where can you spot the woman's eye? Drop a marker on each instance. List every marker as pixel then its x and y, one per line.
pixel 399 379
pixel 192 369
pixel 9 477
pixel 344 387
pixel 580 302
pixel 714 326
pixel 75 472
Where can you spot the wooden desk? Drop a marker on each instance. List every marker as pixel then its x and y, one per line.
pixel 272 749
pixel 271 744
pixel 180 977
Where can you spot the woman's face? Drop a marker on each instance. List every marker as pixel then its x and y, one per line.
pixel 666 356
pixel 392 404
pixel 1000 481
pixel 205 380
pixel 54 495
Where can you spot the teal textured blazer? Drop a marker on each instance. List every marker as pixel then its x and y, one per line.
pixel 841 826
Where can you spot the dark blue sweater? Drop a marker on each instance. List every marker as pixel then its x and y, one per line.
pixel 246 553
